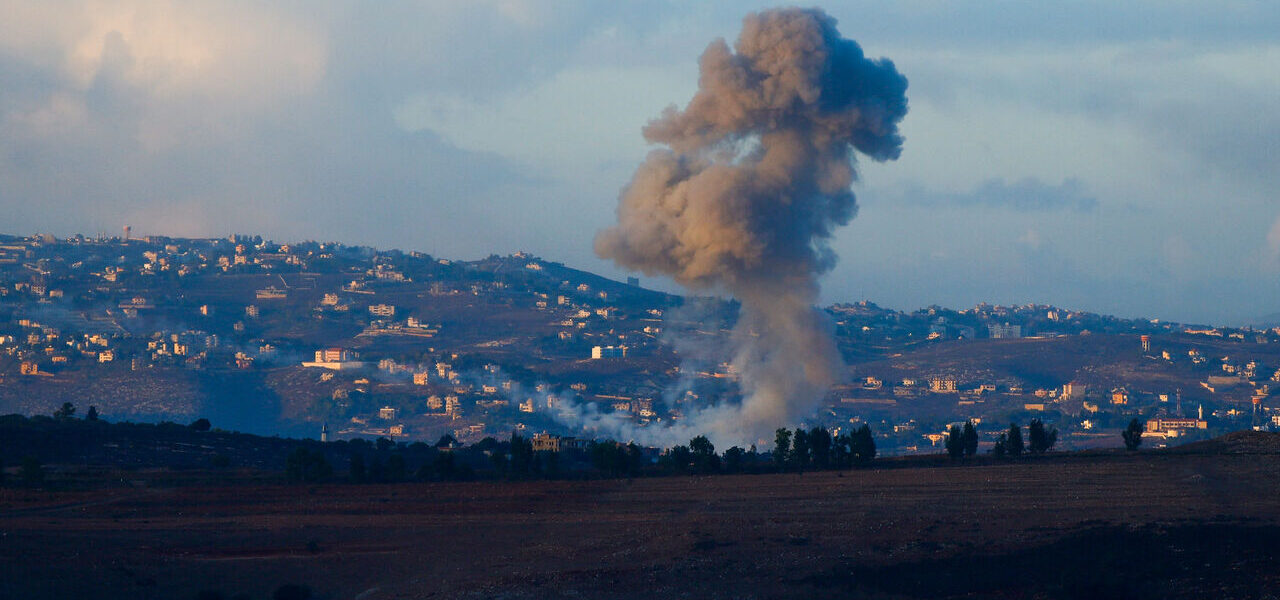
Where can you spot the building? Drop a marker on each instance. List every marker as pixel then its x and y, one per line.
pixel 382 310
pixel 943 385
pixel 271 293
pixel 387 413
pixel 421 378
pixel 337 359
pixel 335 355
pixel 1004 331
pixel 545 442
pixel 1119 396
pixel 599 352
pixel 1165 427
pixel 1074 389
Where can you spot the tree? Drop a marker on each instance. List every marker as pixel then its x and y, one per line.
pixel 733 459
pixel 1001 448
pixel 201 424
pixel 395 467
pixel 1041 439
pixel 1013 443
pixel 970 436
pixel 955 442
pixel 357 472
pixel 1132 435
pixel 92 415
pixel 445 467
pixel 66 412
pixel 704 455
pixel 635 458
pixel 800 449
pixel 678 459
pixel 521 456
pixel 609 457
pixel 305 465
pixel 781 447
pixel 863 446
pixel 820 442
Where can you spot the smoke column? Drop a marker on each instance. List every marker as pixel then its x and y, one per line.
pixel 755 176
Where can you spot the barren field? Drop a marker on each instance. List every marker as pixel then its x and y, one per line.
pixel 1158 525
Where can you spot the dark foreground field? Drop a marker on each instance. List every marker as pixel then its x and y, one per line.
pixel 1171 526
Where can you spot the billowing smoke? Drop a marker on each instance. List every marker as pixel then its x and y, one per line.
pixel 755 176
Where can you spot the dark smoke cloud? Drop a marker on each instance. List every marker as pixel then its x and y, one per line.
pixel 755 177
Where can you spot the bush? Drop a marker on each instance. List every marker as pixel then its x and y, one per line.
pixel 1133 435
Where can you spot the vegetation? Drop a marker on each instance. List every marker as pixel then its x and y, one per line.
pixel 67 411
pixel 1133 435
pixel 781 447
pixel 1013 443
pixel 1041 439
pixel 46 440
pixel 307 466
pixel 970 436
pixel 955 442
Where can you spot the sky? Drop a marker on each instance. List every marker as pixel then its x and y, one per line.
pixel 1113 157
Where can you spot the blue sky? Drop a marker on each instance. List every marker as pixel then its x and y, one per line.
pixel 1114 157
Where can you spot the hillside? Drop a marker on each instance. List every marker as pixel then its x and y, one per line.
pixel 178 329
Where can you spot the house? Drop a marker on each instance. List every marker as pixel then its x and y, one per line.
pixel 1074 389
pixel 1119 396
pixel 943 385
pixel 599 352
pixel 545 442
pixel 337 359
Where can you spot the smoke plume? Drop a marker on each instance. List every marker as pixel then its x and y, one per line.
pixel 755 176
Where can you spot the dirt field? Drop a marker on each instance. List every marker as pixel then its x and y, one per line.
pixel 1180 526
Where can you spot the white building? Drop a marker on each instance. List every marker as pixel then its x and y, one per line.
pixel 599 352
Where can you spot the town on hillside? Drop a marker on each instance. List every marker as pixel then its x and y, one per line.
pixel 319 339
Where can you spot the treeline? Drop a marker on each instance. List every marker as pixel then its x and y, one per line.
pixel 963 441
pixel 58 449
pixel 817 449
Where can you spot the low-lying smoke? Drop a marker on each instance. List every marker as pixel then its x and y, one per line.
pixel 755 177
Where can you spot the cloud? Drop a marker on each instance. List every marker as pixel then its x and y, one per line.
pixel 464 128
pixel 1024 195
pixel 203 118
